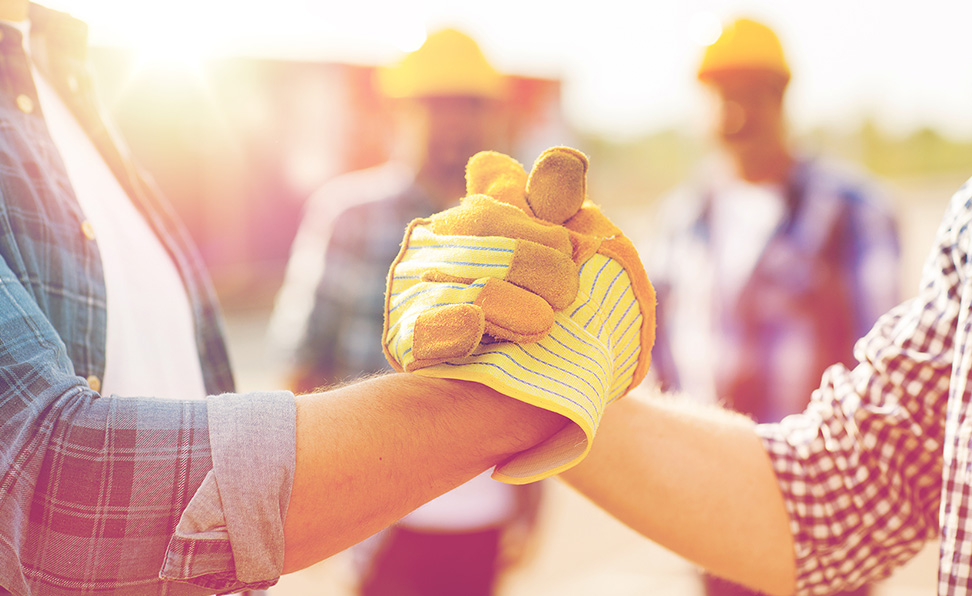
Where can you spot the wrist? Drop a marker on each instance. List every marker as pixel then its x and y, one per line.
pixel 507 425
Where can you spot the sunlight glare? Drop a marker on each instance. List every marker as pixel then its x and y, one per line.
pixel 173 41
pixel 409 38
pixel 704 28
pixel 177 36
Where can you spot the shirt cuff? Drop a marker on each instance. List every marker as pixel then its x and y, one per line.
pixel 792 483
pixel 230 536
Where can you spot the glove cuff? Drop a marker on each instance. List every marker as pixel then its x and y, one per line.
pixel 621 250
pixel 570 382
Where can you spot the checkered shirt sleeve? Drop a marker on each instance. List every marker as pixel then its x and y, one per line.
pixel 862 469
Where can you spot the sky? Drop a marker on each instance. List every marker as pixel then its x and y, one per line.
pixel 627 65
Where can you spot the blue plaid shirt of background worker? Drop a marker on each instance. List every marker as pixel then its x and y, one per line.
pixel 761 287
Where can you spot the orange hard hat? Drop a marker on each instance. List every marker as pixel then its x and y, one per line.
pixel 449 63
pixel 744 45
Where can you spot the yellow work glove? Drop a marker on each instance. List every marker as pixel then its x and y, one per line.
pixel 525 287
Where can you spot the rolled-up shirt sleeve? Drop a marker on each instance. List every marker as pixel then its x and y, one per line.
pixel 103 494
pixel 860 469
pixel 231 533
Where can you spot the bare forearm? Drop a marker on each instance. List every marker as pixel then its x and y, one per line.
pixel 696 481
pixel 371 452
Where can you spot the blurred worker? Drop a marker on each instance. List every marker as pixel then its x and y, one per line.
pixel 768 265
pixel 451 103
pixel 128 463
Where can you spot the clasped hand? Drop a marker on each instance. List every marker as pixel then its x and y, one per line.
pixel 528 288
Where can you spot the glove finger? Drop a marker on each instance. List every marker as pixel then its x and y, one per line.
pixel 591 222
pixel 548 272
pixel 499 176
pixel 537 269
pixel 512 313
pixel 557 186
pixel 545 272
pixel 444 333
pixel 427 323
pixel 453 258
pixel 434 322
pixel 479 215
pixel 410 297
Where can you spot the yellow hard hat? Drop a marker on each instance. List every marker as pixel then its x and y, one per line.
pixel 744 45
pixel 448 63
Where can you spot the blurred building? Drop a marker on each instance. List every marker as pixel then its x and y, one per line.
pixel 238 144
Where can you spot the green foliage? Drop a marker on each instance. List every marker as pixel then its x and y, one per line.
pixel 636 173
pixel 923 152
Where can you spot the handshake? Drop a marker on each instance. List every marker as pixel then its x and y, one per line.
pixel 527 288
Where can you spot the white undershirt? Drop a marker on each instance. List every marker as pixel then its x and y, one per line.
pixel 744 218
pixel 151 349
pixel 479 503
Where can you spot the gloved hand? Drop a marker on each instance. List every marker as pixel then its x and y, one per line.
pixel 525 287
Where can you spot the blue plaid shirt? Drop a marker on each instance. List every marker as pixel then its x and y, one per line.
pixel 824 276
pixel 101 494
pixel 336 277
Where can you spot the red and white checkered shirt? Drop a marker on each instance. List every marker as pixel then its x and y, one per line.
pixel 882 457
